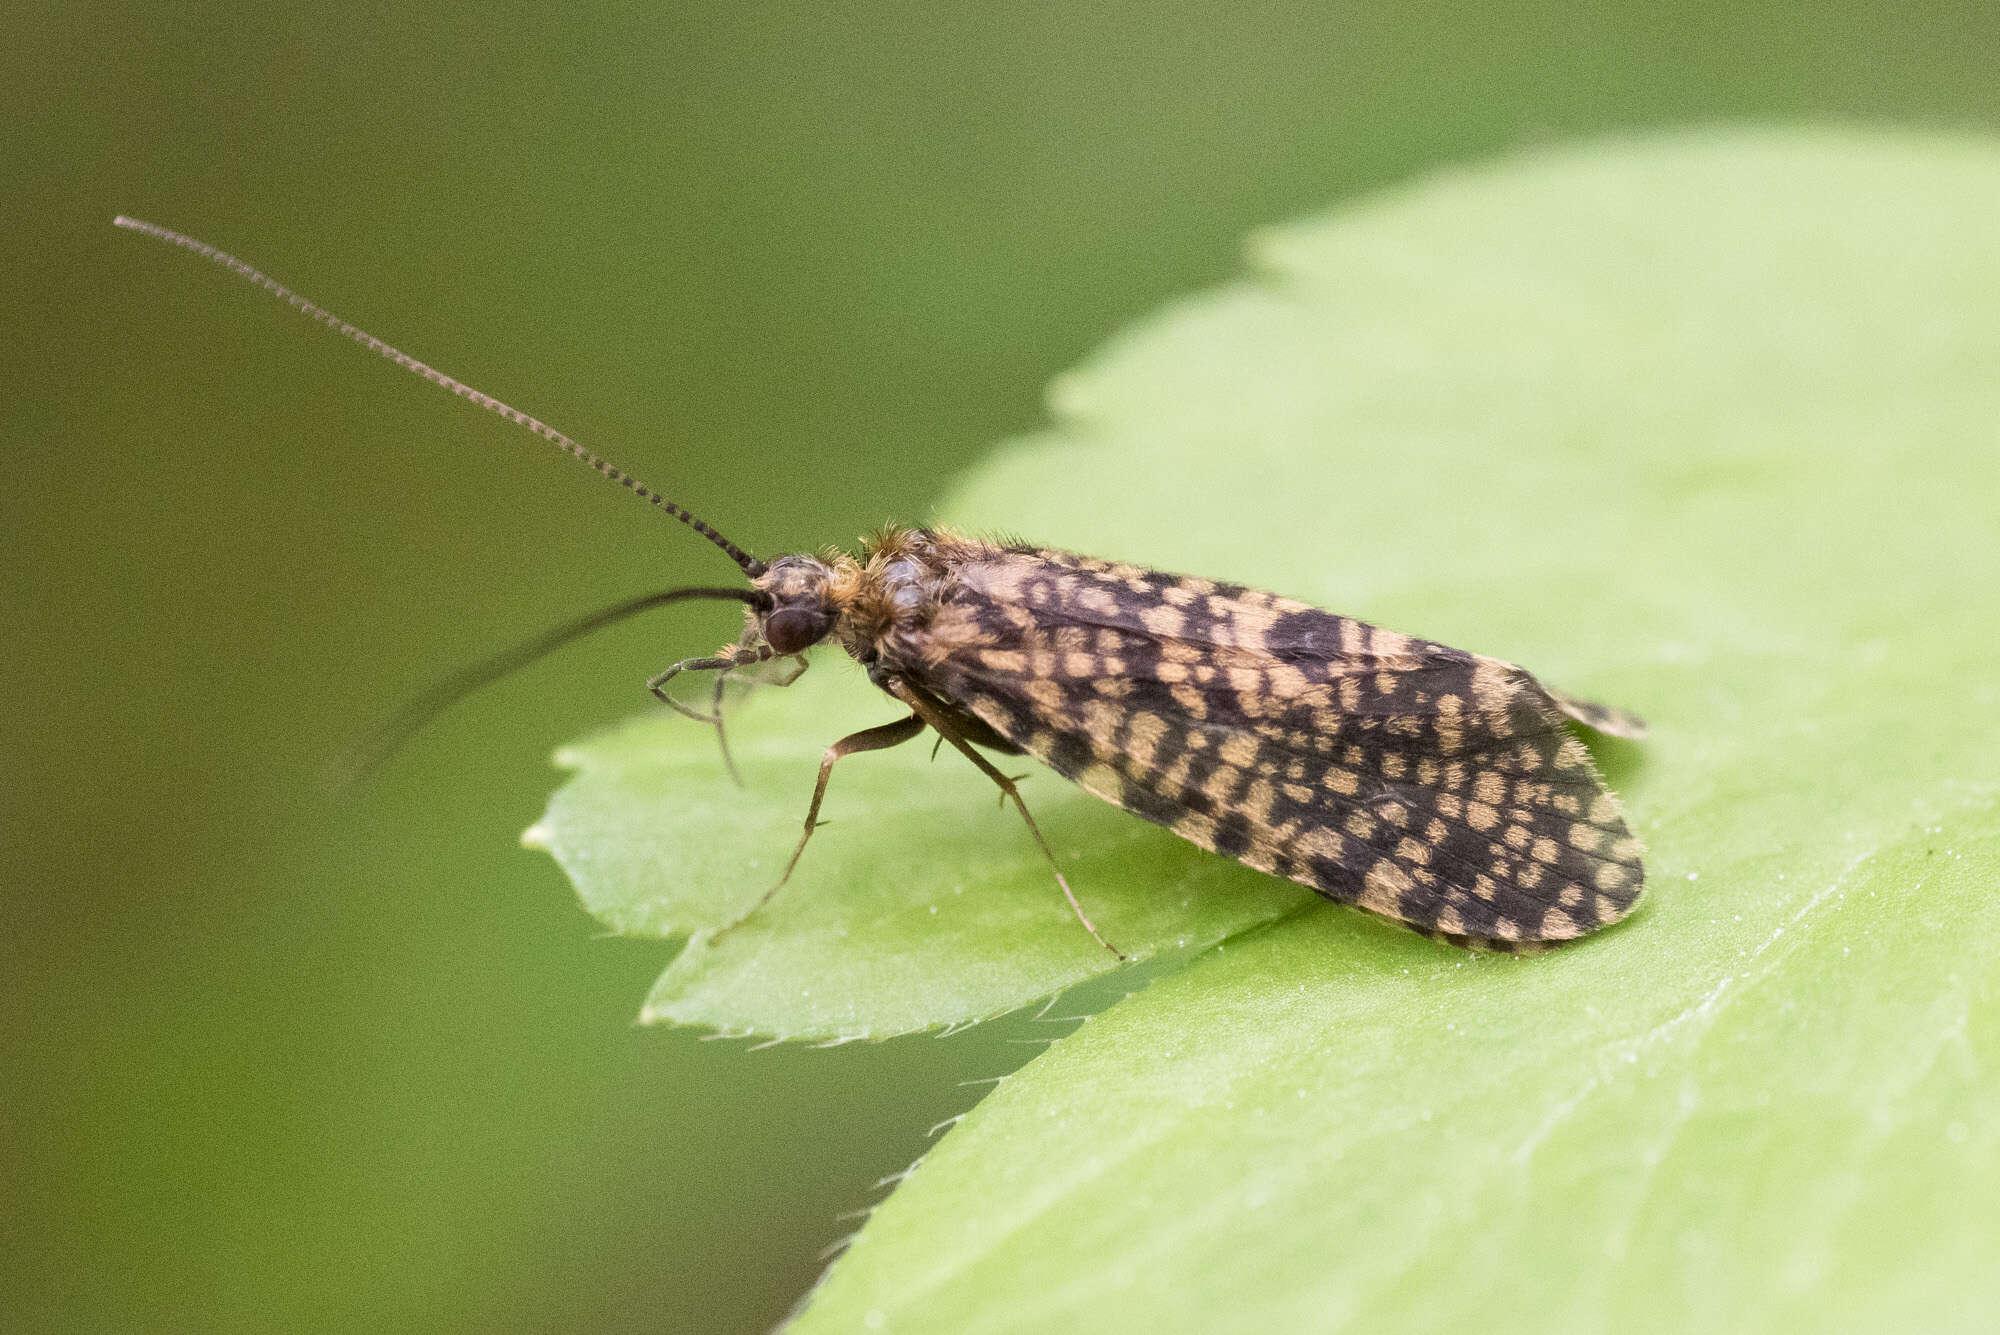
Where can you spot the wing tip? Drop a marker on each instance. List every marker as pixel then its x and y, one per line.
pixel 1607 719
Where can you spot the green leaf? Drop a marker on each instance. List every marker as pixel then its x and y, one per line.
pixel 921 904
pixel 1708 427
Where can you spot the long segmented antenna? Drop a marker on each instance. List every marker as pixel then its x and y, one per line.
pixel 750 564
pixel 416 715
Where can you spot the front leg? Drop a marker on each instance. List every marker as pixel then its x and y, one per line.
pixel 747 652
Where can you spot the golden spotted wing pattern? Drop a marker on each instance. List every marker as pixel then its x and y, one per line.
pixel 1418 781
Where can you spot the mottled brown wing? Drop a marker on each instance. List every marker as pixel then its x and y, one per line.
pixel 1421 782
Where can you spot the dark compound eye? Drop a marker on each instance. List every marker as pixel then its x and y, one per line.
pixel 791 630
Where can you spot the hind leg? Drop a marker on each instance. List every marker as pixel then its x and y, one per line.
pixel 927 711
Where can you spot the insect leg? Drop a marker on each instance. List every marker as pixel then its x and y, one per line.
pixel 721 737
pixel 657 683
pixel 868 739
pixel 928 713
pixel 722 665
pixel 715 708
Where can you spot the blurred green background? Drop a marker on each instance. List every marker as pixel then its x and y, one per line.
pixel 279 1059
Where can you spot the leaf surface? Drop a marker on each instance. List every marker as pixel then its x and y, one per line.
pixel 1705 426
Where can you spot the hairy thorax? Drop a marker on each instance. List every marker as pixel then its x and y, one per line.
pixel 903 578
pixel 881 603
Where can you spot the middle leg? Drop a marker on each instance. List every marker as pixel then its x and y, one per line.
pixel 868 739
